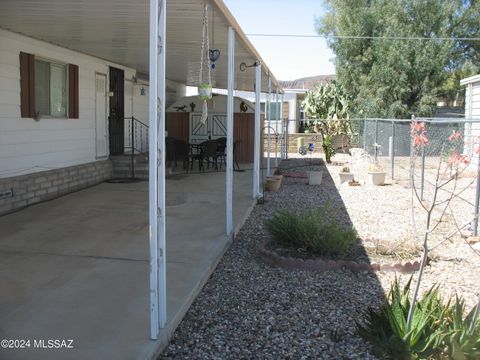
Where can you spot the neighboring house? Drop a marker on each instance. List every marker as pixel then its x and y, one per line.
pixel 291 109
pixel 472 111
pixel 295 92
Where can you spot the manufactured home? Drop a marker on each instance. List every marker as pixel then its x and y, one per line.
pixel 114 266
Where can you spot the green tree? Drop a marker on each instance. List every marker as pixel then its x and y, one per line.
pixel 329 105
pixel 397 77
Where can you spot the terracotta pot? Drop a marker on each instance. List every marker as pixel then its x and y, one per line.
pixel 273 183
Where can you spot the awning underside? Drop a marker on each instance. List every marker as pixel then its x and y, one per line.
pixel 117 31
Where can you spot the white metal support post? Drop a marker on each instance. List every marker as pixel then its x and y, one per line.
pixel 268 111
pixel 284 129
pixel 229 148
pixel 276 128
pixel 256 136
pixel 158 310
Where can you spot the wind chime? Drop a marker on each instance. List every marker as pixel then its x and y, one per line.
pixel 205 79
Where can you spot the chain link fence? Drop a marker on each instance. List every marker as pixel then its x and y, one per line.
pixel 388 143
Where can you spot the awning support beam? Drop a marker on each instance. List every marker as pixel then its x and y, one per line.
pixel 158 310
pixel 276 128
pixel 257 134
pixel 284 130
pixel 229 147
pixel 268 111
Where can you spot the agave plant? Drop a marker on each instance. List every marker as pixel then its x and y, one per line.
pixel 461 335
pixel 386 329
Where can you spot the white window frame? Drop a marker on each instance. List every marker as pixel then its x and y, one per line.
pixel 67 82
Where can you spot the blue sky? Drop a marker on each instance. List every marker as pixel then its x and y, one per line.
pixel 288 58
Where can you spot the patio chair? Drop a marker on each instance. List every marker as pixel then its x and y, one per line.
pixel 210 152
pixel 221 146
pixel 170 149
pixel 202 152
pixel 177 150
pixel 236 144
pixel 181 153
pixel 196 154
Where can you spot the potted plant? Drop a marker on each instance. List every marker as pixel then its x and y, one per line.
pixel 345 175
pixel 315 177
pixel 376 174
pixel 273 182
pixel 204 91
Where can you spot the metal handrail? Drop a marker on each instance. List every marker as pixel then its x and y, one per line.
pixel 134 124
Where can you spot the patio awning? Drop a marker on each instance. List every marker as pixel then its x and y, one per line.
pixel 117 31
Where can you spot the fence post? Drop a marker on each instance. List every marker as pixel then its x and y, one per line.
pixel 376 138
pixel 411 158
pixel 365 134
pixel 477 199
pixel 133 147
pixel 422 174
pixel 392 154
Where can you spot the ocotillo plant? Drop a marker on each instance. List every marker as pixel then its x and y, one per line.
pixel 452 163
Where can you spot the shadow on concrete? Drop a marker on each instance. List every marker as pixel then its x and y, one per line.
pixel 249 309
pixel 77 267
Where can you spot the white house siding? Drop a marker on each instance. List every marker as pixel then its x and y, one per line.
pixel 472 110
pixel 139 107
pixel 140 102
pixel 28 146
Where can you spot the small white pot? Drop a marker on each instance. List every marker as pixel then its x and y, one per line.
pixel 345 177
pixel 376 178
pixel 315 177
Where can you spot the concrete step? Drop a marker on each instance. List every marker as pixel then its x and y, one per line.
pixel 122 165
pixel 123 159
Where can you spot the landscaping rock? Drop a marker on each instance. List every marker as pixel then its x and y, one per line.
pixel 252 310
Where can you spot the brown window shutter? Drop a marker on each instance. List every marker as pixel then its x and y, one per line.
pixel 73 91
pixel 27 85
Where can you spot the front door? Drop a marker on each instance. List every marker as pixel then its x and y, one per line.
pixel 116 118
pixel 101 122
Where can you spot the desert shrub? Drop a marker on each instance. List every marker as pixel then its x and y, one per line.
pixel 438 331
pixel 315 230
pixel 461 335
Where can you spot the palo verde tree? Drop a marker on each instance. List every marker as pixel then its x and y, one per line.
pixel 397 57
pixel 328 105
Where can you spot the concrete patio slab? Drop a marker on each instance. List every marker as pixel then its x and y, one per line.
pixel 77 267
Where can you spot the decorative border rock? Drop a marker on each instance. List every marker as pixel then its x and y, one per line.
pixel 291 263
pixel 296 175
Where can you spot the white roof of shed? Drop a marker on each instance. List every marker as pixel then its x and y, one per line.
pixel 117 30
pixel 469 80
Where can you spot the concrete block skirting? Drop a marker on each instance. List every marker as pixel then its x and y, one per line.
pixel 46 185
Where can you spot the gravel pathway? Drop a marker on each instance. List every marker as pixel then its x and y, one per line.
pixel 249 310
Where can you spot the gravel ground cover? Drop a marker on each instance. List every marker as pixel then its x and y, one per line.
pixel 249 310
